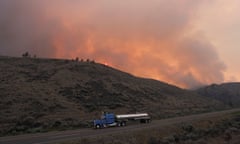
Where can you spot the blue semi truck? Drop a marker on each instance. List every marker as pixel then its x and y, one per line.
pixel 111 120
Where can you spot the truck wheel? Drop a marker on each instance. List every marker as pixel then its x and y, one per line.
pixel 98 126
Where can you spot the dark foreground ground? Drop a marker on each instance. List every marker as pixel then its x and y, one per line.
pixel 215 127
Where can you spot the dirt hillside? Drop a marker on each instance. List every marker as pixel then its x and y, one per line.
pixel 44 94
pixel 228 93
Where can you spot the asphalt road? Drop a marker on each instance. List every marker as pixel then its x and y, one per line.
pixel 54 137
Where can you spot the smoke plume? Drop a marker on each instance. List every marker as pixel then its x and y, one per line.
pixel 148 38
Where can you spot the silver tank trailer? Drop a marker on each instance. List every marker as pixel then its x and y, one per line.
pixel 133 116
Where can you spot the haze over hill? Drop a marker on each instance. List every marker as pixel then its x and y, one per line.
pixel 42 94
pixel 160 39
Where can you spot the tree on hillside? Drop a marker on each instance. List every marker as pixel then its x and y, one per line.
pixel 26 54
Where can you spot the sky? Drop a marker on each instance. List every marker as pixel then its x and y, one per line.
pixel 188 43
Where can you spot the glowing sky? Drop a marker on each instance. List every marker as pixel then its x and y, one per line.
pixel 188 43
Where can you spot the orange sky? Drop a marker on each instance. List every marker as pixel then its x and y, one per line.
pixel 171 41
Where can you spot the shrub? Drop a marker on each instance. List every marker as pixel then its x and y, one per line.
pixel 28 121
pixel 188 128
pixel 57 124
pixel 153 140
pixel 85 141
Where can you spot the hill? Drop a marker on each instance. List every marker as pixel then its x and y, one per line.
pixel 47 94
pixel 228 93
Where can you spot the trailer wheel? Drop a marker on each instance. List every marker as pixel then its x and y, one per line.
pixel 123 123
pixel 98 126
pixel 142 121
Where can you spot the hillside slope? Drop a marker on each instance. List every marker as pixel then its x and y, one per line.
pixel 228 93
pixel 40 94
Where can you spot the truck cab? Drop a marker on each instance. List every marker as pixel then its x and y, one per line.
pixel 107 119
